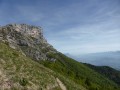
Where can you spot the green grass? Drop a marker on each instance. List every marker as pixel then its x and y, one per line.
pixel 107 71
pixel 18 72
pixel 80 73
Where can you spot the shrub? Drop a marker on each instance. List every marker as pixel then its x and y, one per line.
pixel 23 82
pixel 87 82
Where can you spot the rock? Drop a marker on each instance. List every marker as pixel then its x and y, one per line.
pixel 28 39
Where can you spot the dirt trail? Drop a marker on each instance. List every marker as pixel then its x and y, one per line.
pixel 62 86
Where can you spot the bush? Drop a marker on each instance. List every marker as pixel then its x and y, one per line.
pixel 15 54
pixel 23 82
pixel 51 55
pixel 87 82
pixel 93 88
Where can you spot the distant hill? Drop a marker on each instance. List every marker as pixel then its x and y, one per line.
pixel 29 62
pixel 111 59
pixel 108 72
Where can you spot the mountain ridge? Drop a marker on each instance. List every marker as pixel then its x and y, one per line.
pixel 21 36
pixel 31 43
pixel 107 71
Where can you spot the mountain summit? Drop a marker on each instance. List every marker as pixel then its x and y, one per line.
pixel 28 38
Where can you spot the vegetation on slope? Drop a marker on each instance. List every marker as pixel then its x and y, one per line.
pixel 108 72
pixel 79 73
pixel 19 72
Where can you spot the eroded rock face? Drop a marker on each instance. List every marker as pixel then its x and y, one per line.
pixel 27 38
pixel 24 29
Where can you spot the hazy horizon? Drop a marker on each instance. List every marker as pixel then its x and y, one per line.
pixel 71 26
pixel 73 54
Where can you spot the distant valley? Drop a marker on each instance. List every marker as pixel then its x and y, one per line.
pixel 100 59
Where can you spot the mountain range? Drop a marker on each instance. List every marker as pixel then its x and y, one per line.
pixel 29 62
pixel 111 58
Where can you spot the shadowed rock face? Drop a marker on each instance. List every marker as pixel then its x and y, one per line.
pixel 29 39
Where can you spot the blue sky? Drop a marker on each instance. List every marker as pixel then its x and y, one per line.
pixel 71 26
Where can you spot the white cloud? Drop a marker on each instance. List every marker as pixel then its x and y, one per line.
pixel 75 27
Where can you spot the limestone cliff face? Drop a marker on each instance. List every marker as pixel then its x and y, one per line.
pixel 27 38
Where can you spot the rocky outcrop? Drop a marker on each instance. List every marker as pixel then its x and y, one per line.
pixel 27 38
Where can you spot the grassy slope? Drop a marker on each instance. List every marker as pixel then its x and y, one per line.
pixel 19 72
pixel 108 72
pixel 80 73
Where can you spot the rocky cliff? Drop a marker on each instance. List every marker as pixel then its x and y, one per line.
pixel 18 44
pixel 28 39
